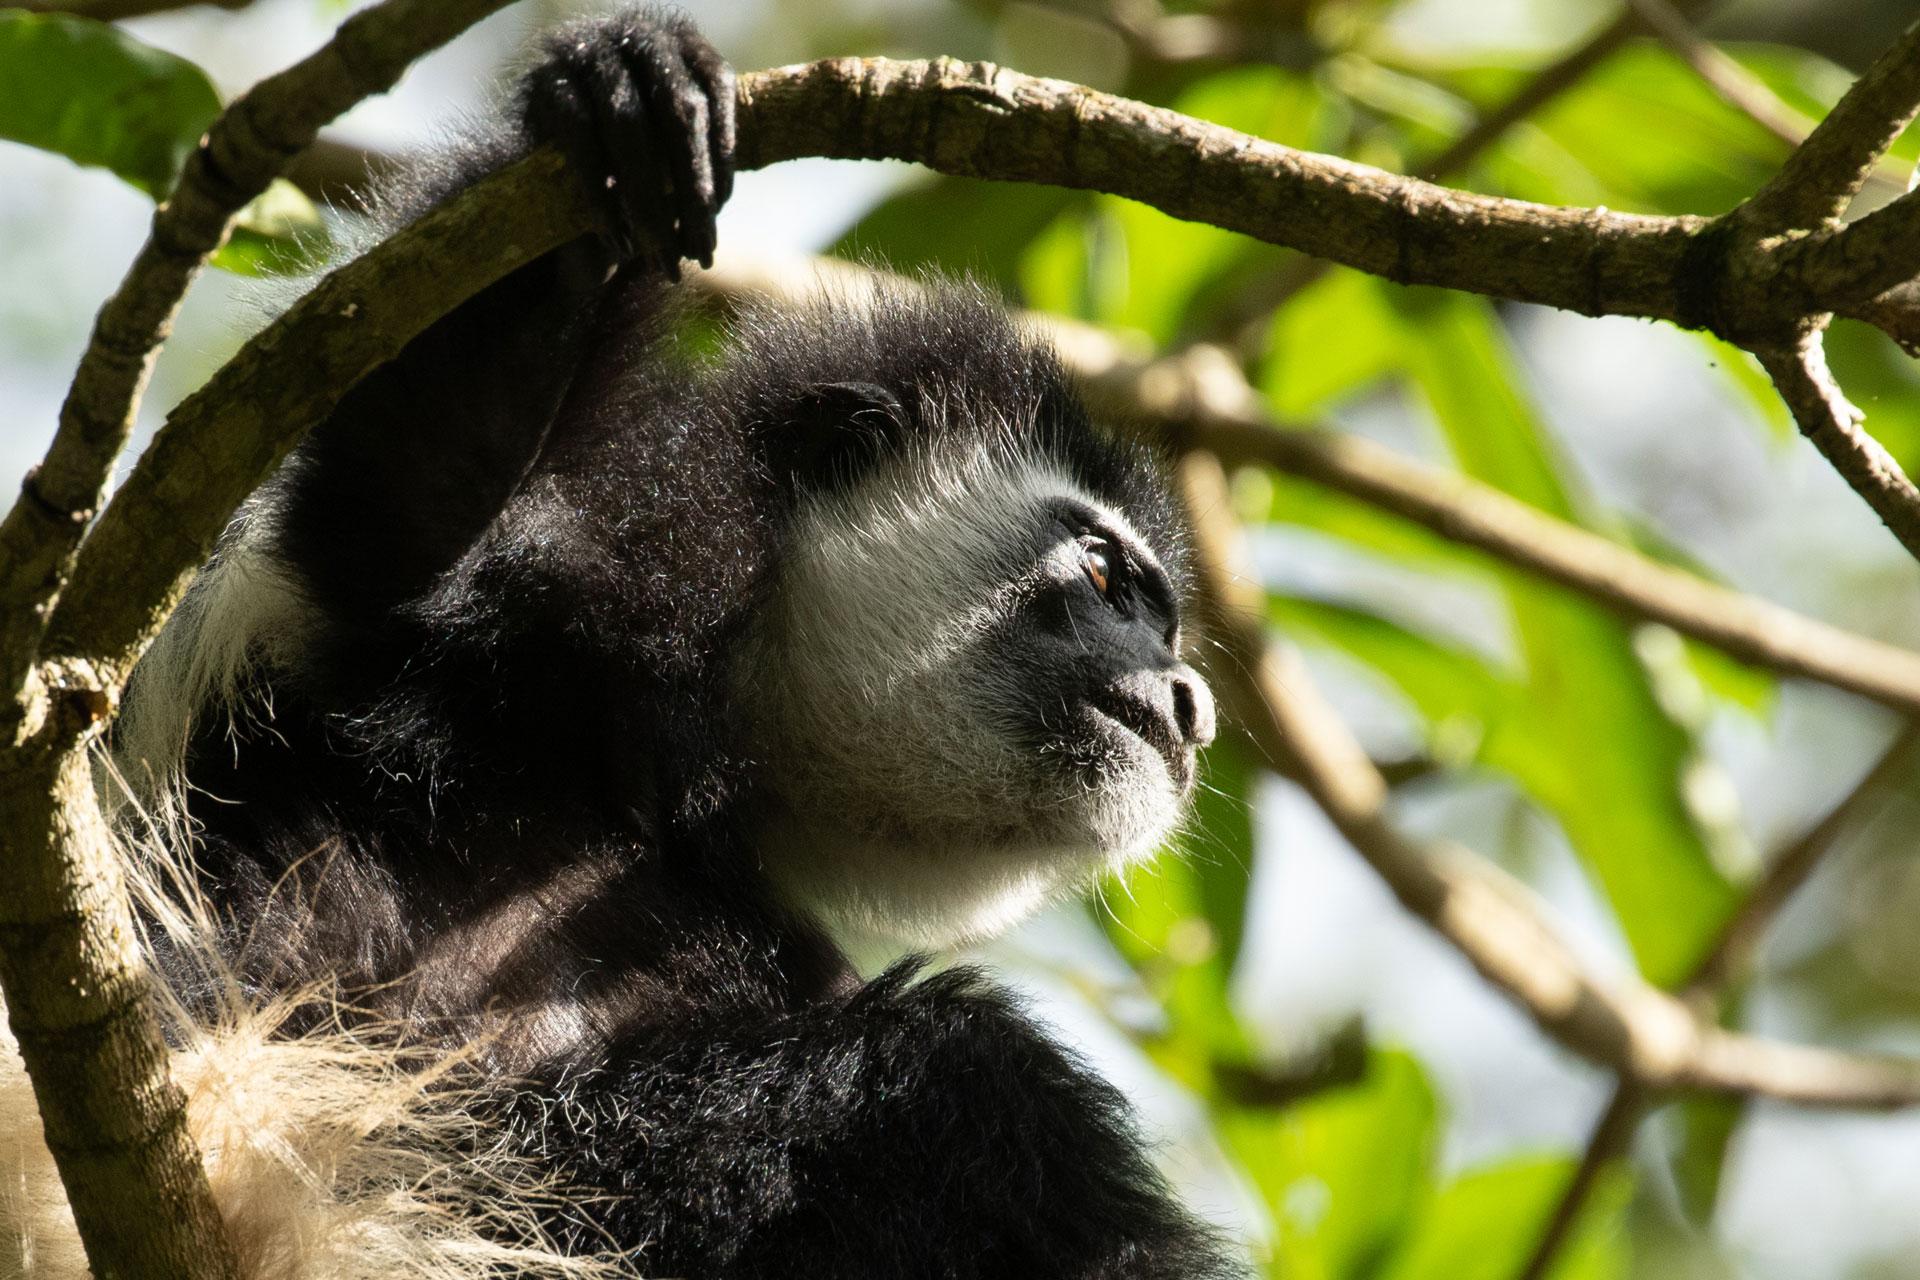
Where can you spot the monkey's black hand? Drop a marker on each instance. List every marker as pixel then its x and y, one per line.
pixel 643 108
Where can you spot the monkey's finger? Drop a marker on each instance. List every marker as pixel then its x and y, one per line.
pixel 715 77
pixel 558 107
pixel 677 124
pixel 629 137
pixel 697 208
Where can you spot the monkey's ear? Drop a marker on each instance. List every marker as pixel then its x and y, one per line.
pixel 836 430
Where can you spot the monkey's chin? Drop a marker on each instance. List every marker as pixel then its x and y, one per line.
pixel 945 885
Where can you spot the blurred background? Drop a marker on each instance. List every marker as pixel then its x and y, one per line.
pixel 1323 1076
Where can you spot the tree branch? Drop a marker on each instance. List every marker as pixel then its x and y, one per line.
pixel 1732 83
pixel 982 121
pixel 1820 180
pixel 1206 404
pixel 1877 254
pixel 1830 421
pixel 1637 1031
pixel 1731 957
pixel 979 120
pixel 222 441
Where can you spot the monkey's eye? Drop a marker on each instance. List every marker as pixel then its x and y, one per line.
pixel 1099 566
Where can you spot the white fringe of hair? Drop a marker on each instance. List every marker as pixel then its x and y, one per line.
pixel 341 1153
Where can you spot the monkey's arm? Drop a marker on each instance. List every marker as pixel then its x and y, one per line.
pixel 919 1129
pixel 421 455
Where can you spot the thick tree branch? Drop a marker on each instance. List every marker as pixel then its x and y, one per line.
pixel 978 120
pixel 221 442
pixel 1878 253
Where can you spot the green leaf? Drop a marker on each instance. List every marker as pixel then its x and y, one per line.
pixel 1344 1173
pixel 958 225
pixel 1640 132
pixel 1612 763
pixel 96 95
pixel 1484 1224
pixel 1337 336
pixel 278 233
pixel 1473 712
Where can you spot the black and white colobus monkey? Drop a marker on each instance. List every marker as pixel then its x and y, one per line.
pixel 590 696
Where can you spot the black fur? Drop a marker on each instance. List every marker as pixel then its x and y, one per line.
pixel 506 776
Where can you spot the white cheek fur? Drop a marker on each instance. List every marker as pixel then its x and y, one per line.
pixel 905 813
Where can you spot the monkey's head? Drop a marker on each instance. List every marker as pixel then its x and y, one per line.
pixel 966 685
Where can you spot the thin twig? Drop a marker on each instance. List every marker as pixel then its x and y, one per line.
pixel 1830 421
pixel 1546 84
pixel 1731 956
pixel 1732 83
pixel 1612 1135
pixel 1739 88
pixel 1822 177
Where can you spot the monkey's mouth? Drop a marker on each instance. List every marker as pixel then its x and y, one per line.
pixel 1152 727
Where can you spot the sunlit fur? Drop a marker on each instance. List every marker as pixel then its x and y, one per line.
pixel 343 1151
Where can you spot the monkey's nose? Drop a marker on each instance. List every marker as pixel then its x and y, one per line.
pixel 1193 708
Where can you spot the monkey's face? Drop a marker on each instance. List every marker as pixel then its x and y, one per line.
pixel 968 695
